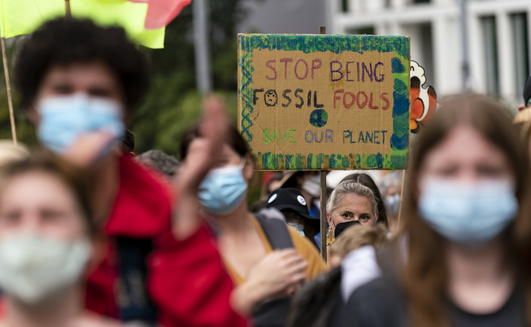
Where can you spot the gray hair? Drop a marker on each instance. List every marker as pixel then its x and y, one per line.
pixel 159 161
pixel 350 187
pixel 392 179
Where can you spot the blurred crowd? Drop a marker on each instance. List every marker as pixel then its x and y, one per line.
pixel 92 234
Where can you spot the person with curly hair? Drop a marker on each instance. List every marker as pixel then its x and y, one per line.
pixel 79 84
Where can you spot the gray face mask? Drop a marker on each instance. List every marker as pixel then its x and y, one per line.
pixel 33 268
pixel 392 204
pixel 312 186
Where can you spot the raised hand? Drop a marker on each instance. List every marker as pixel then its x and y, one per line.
pixel 88 148
pixel 201 157
pixel 205 149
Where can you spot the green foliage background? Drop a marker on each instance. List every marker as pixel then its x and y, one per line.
pixel 172 103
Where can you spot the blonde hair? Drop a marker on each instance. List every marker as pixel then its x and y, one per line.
pixel 358 236
pixel 350 187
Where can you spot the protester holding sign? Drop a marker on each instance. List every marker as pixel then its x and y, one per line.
pixel 350 203
pixel 366 180
pixel 466 217
pixel 266 259
pixel 79 85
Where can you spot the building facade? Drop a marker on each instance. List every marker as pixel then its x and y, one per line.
pixel 498 39
pixel 283 16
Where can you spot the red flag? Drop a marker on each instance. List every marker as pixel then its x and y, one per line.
pixel 161 12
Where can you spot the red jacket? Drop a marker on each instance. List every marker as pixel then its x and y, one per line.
pixel 186 281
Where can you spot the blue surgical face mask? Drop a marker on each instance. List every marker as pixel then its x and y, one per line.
pixel 298 227
pixel 468 214
pixel 223 189
pixel 63 119
pixel 392 203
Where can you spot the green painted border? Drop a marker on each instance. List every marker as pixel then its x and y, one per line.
pixel 398 159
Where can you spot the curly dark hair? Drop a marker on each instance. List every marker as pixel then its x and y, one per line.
pixel 128 142
pixel 65 41
pixel 160 161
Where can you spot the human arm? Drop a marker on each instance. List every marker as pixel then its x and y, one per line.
pixel 201 157
pixel 189 284
pixel 277 274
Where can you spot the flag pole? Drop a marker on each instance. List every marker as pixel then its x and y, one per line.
pixel 9 97
pixel 67 8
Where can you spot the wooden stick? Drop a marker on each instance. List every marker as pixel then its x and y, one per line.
pixel 401 198
pixel 324 252
pixel 9 98
pixel 323 215
pixel 67 8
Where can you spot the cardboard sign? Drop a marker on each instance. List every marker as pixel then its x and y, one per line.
pixel 312 102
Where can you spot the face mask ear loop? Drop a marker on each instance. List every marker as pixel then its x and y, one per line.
pixel 242 164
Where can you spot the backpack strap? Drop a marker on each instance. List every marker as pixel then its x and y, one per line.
pixel 273 313
pixel 135 304
pixel 275 228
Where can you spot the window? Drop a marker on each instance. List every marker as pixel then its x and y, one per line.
pixel 425 37
pixel 521 50
pixel 488 27
pixel 344 5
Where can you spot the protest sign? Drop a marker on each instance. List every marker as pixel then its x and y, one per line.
pixel 315 102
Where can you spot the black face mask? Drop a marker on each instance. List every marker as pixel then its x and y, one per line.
pixel 340 228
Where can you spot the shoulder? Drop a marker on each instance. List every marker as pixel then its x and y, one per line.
pixel 307 250
pixel 359 267
pixel 377 289
pixel 377 303
pixel 142 207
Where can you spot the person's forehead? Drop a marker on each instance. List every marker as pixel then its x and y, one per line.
pixel 354 202
pixel 37 186
pixel 228 152
pixel 88 72
pixel 392 189
pixel 462 145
